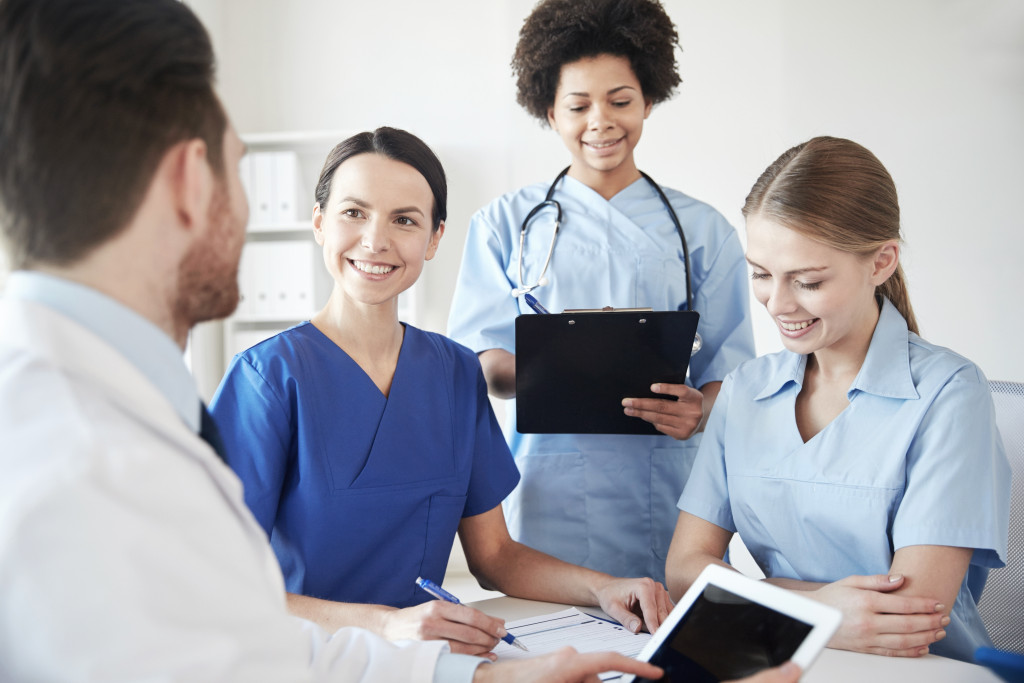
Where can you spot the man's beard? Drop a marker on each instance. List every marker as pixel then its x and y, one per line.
pixel 208 274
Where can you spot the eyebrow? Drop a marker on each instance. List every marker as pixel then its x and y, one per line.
pixel 586 94
pixel 365 205
pixel 798 271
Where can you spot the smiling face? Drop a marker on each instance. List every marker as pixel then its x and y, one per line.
pixel 821 298
pixel 599 112
pixel 376 229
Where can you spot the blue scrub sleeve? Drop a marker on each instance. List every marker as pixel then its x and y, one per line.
pixel 723 300
pixel 494 472
pixel 958 477
pixel 483 311
pixel 256 427
pixel 706 494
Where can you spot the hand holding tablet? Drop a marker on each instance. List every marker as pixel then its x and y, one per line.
pixel 727 626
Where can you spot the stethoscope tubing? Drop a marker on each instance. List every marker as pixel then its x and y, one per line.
pixel 549 200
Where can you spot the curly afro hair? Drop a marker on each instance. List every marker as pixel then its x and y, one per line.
pixel 560 32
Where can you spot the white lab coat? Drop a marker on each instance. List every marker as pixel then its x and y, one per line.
pixel 126 551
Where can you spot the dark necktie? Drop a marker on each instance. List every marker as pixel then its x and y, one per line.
pixel 209 433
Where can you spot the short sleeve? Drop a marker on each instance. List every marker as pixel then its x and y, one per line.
pixel 483 311
pixel 724 304
pixel 494 473
pixel 958 478
pixel 706 494
pixel 256 428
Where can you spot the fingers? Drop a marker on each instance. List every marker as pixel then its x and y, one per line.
pixel 678 418
pixel 469 631
pixel 627 599
pixel 874 582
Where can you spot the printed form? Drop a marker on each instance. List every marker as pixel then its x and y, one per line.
pixel 549 632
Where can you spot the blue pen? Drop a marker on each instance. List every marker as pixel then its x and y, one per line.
pixel 441 594
pixel 532 302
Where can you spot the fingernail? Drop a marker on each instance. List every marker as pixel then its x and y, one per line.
pixel 939 607
pixel 502 632
pixel 945 621
pixel 893 578
pixel 789 668
pixel 656 388
pixel 939 635
pixel 923 651
pixel 634 625
pixel 627 402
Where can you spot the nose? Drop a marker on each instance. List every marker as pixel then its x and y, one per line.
pixel 780 299
pixel 375 237
pixel 600 116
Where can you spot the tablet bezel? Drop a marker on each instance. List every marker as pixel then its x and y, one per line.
pixel 824 620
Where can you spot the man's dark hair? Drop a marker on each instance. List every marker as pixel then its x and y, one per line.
pixel 92 95
pixel 560 32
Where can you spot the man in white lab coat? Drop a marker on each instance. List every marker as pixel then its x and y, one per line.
pixel 126 551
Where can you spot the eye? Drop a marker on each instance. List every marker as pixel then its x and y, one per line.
pixel 577 109
pixel 759 276
pixel 807 285
pixel 353 213
pixel 622 103
pixel 406 221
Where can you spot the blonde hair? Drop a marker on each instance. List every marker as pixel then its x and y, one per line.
pixel 836 192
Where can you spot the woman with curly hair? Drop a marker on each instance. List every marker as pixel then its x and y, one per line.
pixel 593 70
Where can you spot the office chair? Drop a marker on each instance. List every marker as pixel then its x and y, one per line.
pixel 1002 602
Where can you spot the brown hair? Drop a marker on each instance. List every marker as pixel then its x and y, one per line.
pixel 836 192
pixel 397 145
pixel 559 32
pixel 92 95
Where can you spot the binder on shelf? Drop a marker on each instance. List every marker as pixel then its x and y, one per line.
pixel 286 176
pixel 574 369
pixel 261 203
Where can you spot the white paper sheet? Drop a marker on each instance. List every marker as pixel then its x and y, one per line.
pixel 549 632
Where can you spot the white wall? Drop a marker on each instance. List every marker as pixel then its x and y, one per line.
pixel 934 87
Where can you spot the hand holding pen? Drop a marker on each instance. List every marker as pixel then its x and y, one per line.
pixel 441 594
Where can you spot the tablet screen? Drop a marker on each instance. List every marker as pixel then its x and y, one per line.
pixel 725 636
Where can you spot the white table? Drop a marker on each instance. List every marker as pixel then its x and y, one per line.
pixel 832 666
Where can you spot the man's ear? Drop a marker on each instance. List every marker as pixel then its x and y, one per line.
pixel 192 181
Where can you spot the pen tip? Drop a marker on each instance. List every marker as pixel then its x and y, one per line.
pixel 520 646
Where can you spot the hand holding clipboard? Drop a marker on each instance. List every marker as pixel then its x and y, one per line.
pixel 574 370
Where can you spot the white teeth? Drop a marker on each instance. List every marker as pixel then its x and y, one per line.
pixel 372 269
pixel 793 327
pixel 601 145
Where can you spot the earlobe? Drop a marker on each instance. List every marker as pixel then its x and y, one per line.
pixel 551 119
pixel 648 105
pixel 435 240
pixel 887 258
pixel 318 218
pixel 193 186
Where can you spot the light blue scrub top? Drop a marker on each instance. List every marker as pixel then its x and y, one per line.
pixel 360 493
pixel 603 501
pixel 915 459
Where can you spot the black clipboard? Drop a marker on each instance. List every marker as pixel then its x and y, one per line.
pixel 573 369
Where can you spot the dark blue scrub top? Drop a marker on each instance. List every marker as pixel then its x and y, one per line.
pixel 358 492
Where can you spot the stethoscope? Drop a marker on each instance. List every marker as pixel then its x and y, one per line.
pixel 553 203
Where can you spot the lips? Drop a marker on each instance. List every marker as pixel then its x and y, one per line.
pixel 372 268
pixel 600 145
pixel 797 328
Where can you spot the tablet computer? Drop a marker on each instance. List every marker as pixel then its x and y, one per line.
pixel 728 626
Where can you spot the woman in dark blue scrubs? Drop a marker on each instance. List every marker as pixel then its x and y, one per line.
pixel 364 443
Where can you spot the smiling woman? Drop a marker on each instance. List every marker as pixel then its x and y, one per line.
pixel 593 72
pixel 364 443
pixel 861 465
